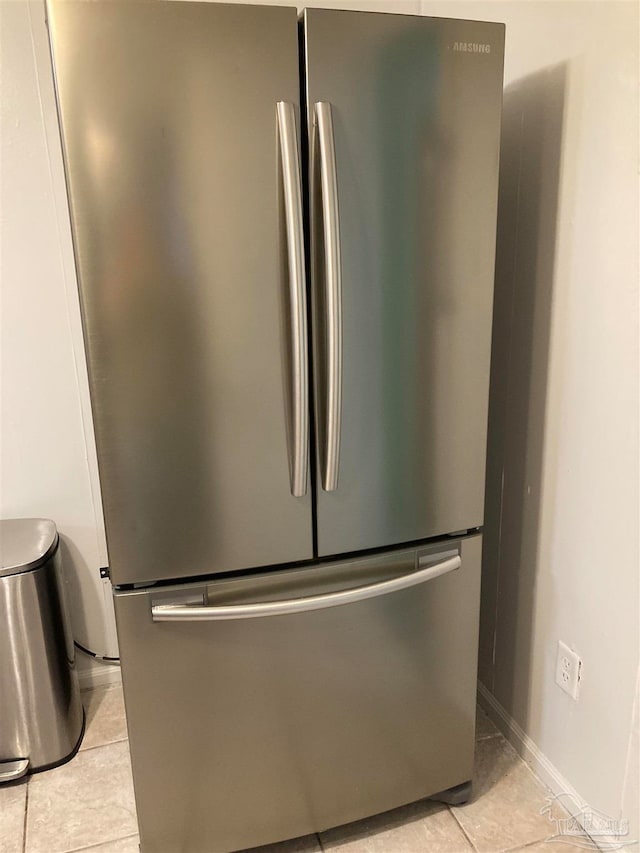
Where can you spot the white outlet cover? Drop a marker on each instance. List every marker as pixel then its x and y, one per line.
pixel 568 670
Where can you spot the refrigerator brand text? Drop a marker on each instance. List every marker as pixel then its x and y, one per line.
pixel 471 47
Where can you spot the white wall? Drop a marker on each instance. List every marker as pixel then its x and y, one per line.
pixel 48 465
pixel 562 549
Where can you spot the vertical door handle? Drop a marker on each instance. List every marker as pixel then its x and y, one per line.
pixel 297 295
pixel 333 292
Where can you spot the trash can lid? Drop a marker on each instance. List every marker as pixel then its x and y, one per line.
pixel 25 543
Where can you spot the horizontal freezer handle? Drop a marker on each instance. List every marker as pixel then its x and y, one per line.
pixel 214 613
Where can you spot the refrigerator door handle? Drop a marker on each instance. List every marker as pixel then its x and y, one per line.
pixel 333 292
pixel 290 162
pixel 214 613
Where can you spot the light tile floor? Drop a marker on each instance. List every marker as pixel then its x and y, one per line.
pixel 88 804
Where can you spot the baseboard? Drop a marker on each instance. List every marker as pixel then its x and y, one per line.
pixel 92 673
pixel 540 765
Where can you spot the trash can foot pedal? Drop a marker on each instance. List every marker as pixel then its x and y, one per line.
pixel 12 770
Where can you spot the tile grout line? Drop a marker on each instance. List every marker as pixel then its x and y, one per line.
pixel 522 847
pixel 519 847
pixel 24 825
pixel 462 829
pixel 100 843
pixel 99 746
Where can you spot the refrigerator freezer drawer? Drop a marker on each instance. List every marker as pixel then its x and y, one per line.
pixel 252 719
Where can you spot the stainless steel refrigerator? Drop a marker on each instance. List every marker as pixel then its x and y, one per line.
pixel 284 231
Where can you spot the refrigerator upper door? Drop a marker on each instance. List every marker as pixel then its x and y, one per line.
pixel 404 122
pixel 180 125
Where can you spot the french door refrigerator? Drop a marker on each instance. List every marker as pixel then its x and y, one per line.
pixel 284 233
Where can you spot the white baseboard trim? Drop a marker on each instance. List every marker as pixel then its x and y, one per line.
pixel 540 765
pixel 524 746
pixel 97 674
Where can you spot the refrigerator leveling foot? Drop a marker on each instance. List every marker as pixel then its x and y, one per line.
pixel 455 796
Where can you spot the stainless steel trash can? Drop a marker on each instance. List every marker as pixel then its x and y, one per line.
pixel 41 714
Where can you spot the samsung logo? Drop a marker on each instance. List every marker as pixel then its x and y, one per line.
pixel 471 47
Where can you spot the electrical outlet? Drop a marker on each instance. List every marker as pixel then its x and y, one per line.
pixel 568 670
